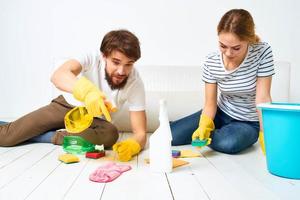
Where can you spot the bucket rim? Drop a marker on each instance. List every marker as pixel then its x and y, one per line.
pixel 279 106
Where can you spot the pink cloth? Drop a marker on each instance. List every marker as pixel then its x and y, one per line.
pixel 108 172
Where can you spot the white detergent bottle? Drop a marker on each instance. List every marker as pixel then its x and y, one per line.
pixel 160 152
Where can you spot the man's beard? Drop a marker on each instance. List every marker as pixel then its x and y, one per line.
pixel 112 85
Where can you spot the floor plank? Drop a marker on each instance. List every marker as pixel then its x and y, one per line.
pixel 10 156
pixel 241 180
pixel 32 171
pixel 254 163
pixel 184 183
pixel 60 180
pixel 139 183
pixel 21 159
pixel 30 179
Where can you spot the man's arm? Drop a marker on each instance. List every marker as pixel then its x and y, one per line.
pixel 64 77
pixel 138 124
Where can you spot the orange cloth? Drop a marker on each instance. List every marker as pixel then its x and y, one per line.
pixel 176 162
pixel 187 153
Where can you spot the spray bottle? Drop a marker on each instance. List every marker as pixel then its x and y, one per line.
pixel 160 152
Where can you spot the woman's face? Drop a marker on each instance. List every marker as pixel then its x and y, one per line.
pixel 232 48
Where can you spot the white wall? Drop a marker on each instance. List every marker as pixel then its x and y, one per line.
pixel 172 32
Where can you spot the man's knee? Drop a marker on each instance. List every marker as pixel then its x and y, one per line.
pixel 101 132
pixel 111 136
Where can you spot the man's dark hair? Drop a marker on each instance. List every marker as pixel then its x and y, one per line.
pixel 123 41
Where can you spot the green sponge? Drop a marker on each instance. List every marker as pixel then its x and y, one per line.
pixel 201 143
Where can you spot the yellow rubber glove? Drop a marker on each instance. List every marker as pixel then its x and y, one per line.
pixel 77 120
pixel 206 126
pixel 127 149
pixel 262 142
pixel 85 91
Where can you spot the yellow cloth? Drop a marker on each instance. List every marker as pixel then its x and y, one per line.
pixel 262 142
pixel 127 149
pixel 206 125
pixel 85 91
pixel 68 158
pixel 187 153
pixel 176 162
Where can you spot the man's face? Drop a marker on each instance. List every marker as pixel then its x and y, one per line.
pixel 117 69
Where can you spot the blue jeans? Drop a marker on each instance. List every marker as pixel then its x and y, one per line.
pixel 230 136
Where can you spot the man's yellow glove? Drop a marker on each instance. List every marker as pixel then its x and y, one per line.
pixel 77 120
pixel 85 91
pixel 127 149
pixel 262 142
pixel 206 126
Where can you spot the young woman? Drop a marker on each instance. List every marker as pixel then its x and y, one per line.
pixel 241 71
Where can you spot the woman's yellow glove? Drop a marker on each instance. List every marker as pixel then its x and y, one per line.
pixel 127 149
pixel 85 91
pixel 262 142
pixel 206 126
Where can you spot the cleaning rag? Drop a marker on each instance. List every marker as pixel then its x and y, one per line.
pixel 108 172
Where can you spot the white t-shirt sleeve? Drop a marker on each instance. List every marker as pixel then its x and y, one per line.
pixel 136 96
pixel 88 60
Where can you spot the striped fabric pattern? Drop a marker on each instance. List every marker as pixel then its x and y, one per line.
pixel 237 88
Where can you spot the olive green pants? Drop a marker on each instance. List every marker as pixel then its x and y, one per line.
pixel 51 117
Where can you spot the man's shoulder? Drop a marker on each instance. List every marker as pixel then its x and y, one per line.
pixel 134 80
pixel 134 75
pixel 88 59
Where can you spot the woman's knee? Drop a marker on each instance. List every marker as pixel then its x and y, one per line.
pixel 180 137
pixel 227 146
pixel 183 129
pixel 232 144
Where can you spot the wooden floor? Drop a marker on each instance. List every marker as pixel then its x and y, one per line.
pixel 32 171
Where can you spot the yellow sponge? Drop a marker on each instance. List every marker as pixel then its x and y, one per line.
pixel 68 158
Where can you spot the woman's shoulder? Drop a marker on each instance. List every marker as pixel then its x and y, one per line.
pixel 260 46
pixel 213 56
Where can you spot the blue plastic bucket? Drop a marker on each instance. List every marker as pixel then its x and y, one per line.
pixel 281 122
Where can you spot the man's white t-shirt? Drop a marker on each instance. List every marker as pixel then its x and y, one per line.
pixel 133 93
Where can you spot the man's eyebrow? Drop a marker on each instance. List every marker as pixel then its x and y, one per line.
pixel 118 60
pixel 130 62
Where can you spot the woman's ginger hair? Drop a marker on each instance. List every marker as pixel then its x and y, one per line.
pixel 239 22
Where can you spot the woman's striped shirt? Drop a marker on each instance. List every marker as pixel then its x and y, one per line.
pixel 238 87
